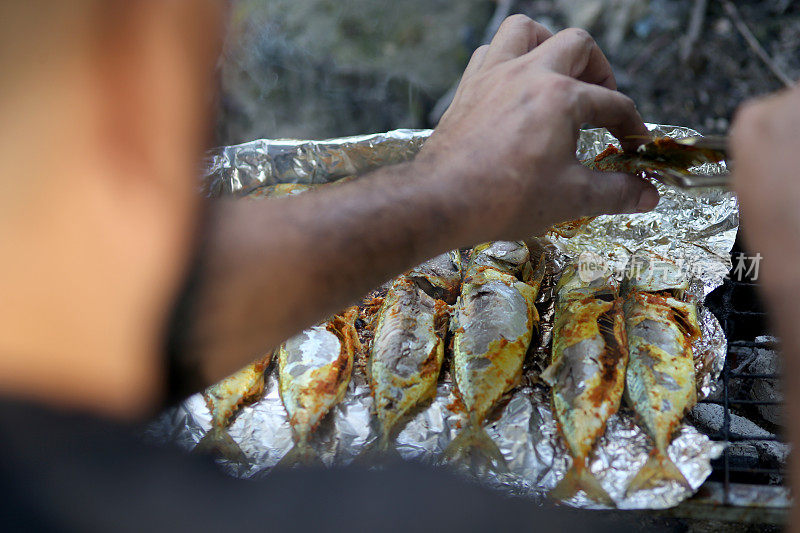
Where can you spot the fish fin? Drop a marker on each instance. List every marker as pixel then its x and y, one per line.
pixel 302 454
pixel 473 442
pixel 379 452
pixel 217 441
pixel 581 478
pixel 659 467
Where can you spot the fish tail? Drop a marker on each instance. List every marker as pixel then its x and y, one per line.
pixel 581 478
pixel 301 454
pixel 659 467
pixel 217 441
pixel 473 442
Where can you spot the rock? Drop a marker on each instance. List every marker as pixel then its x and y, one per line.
pixel 743 455
pixel 711 417
pixel 767 361
pixel 765 390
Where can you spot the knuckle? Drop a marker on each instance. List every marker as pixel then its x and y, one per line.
pixel 579 36
pixel 518 20
pixel 559 92
pixel 482 49
pixel 627 106
pixel 560 86
pixel 627 101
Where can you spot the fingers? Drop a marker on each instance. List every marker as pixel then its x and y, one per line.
pixel 516 36
pixel 612 110
pixel 608 193
pixel 574 53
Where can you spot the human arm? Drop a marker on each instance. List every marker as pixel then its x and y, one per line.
pixel 501 165
pixel 765 139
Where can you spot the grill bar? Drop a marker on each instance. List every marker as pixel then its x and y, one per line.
pixel 741 481
pixel 743 402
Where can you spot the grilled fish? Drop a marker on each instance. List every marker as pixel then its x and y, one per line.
pixel 661 154
pixel 587 373
pixel 408 348
pixel 224 400
pixel 314 369
pixel 493 326
pixel 660 383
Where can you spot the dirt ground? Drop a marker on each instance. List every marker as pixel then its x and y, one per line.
pixel 324 68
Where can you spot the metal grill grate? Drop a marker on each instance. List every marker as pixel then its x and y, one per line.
pixel 744 483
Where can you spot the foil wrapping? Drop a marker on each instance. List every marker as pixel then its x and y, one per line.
pixel 243 168
pixel 698 229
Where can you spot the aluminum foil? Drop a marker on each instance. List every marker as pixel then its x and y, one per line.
pixel 695 228
pixel 699 227
pixel 242 168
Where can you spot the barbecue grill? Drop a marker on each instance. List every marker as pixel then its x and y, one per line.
pixel 741 487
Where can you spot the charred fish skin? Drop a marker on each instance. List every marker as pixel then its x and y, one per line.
pixel 587 373
pixel 660 384
pixel 224 400
pixel 493 326
pixel 314 370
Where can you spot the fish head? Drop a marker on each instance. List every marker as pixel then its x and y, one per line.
pixel 576 283
pixel 507 256
pixel 439 277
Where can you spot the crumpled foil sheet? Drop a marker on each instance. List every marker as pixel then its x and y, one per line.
pixel 694 228
pixel 700 226
pixel 242 168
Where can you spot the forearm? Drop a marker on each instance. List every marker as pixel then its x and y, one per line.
pixel 272 268
pixel 500 166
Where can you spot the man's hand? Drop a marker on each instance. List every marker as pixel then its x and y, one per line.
pixel 500 166
pixel 509 137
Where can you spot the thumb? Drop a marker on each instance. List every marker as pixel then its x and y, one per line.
pixel 610 193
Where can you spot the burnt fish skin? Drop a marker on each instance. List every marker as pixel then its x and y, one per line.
pixel 587 372
pixel 492 327
pixel 408 347
pixel 660 384
pixel 224 399
pixel 314 370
